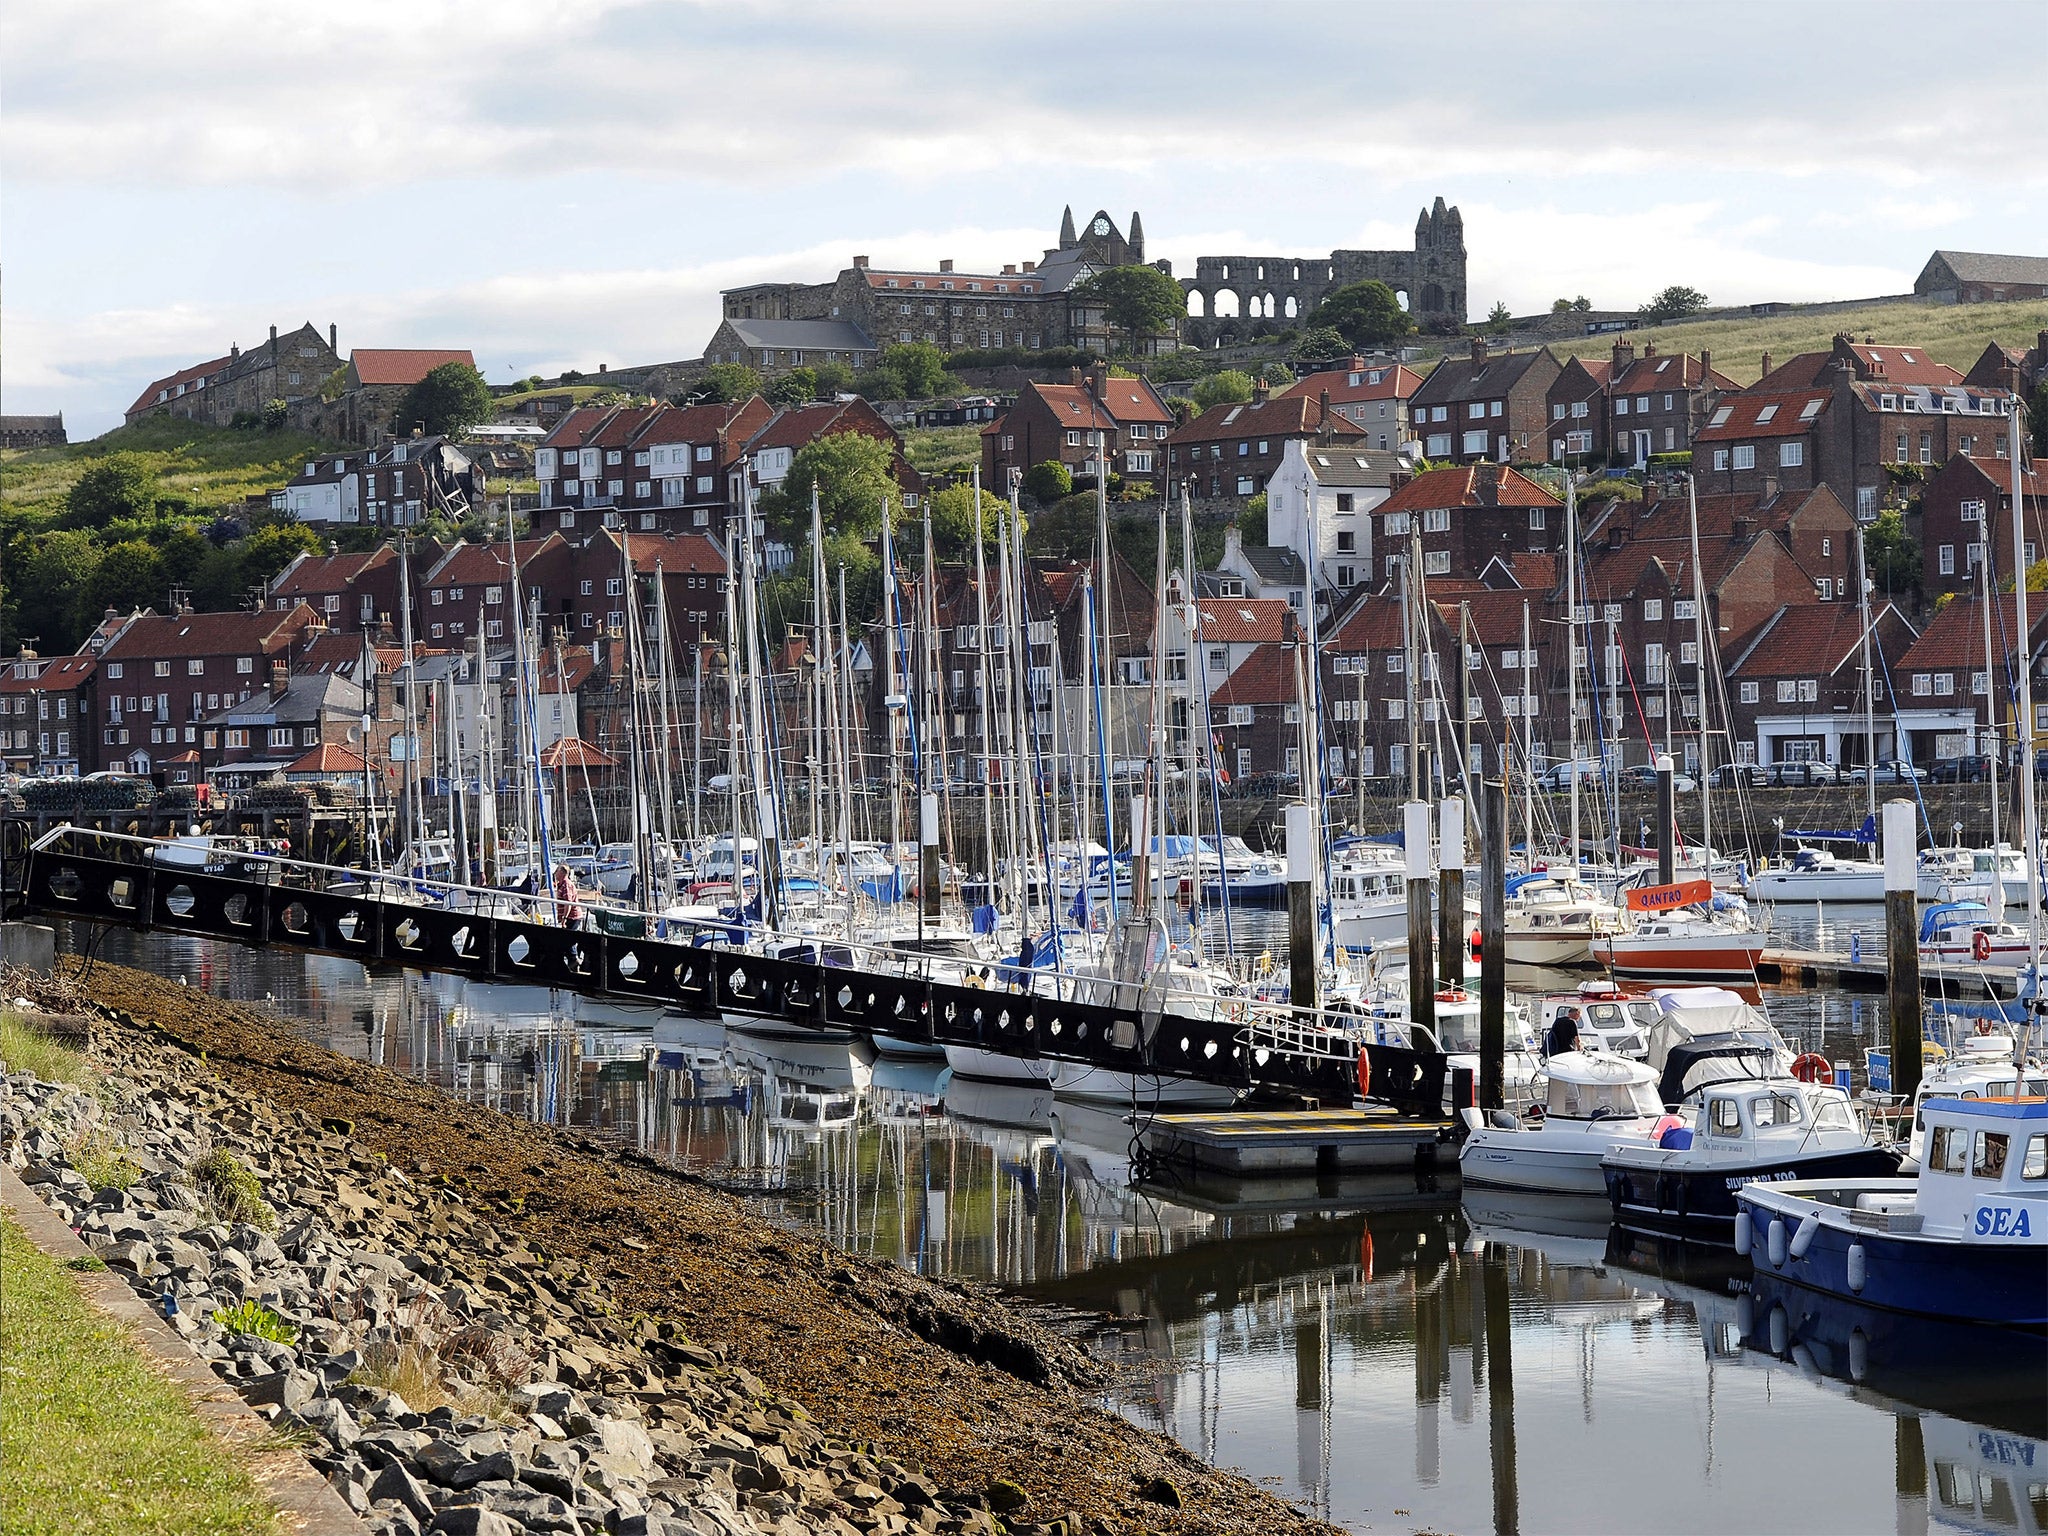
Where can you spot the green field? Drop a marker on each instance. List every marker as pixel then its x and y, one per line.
pixel 206 467
pixel 1955 334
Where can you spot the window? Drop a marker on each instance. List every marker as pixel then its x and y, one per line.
pixel 1989 1163
pixel 1809 691
pixel 235 739
pixel 1971 511
pixel 1219 657
pixel 1788 691
pixel 1923 684
pixel 1720 458
pixel 1979 684
pixel 1557 413
pixel 2035 1167
pixel 1344 501
pixel 243 665
pixel 1436 562
pixel 1946 556
pixel 1477 410
pixel 1926 447
pixel 1689 652
pixel 1397 709
pixel 163 669
pixel 1347 541
pixel 1749 692
pixel 1745 456
pixel 1579 411
pixel 1724 1117
pixel 1944 684
pixel 1791 455
pixel 615 586
pixel 1437 520
pixel 1824 588
pixel 1475 442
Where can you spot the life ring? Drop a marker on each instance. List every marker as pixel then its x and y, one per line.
pixel 1452 995
pixel 1980 945
pixel 1364 1073
pixel 1813 1068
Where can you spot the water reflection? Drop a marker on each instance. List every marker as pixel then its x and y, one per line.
pixel 1389 1356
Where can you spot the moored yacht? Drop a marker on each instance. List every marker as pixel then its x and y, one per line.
pixel 1591 1100
pixel 1816 874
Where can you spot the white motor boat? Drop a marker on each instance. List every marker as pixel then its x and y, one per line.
pixel 1980 1067
pixel 1369 899
pixel 1609 1018
pixel 1592 1101
pixel 1694 945
pixel 1968 874
pixel 1815 874
pixel 1554 920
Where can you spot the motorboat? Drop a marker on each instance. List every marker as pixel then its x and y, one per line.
pixel 1963 874
pixel 1979 1066
pixel 1965 1239
pixel 1966 933
pixel 1240 875
pixel 1703 1016
pixel 1816 874
pixel 1591 1100
pixel 1368 898
pixel 1687 945
pixel 1735 1132
pixel 1610 1017
pixel 1554 920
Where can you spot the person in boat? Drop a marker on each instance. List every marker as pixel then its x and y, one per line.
pixel 1564 1033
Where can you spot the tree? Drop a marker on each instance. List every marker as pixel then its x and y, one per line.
pixel 953 521
pixel 1582 304
pixel 269 550
pixel 919 367
pixel 450 398
pixel 720 383
pixel 1675 303
pixel 1366 314
pixel 130 576
pixel 799 386
pixel 1141 302
pixel 1323 343
pixel 833 379
pixel 1278 375
pixel 1560 306
pixel 1500 319
pixel 119 485
pixel 1893 555
pixel 1251 522
pixel 275 413
pixel 855 476
pixel 51 576
pixel 1048 482
pixel 1222 388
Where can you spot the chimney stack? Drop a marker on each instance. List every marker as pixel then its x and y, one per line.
pixel 1765 365
pixel 1479 351
pixel 1649 350
pixel 1261 390
pixel 946 265
pixel 273 341
pixel 860 263
pixel 1487 482
pixel 334 338
pixel 1009 269
pixel 1323 413
pixel 280 673
pixel 1624 356
pixel 1706 364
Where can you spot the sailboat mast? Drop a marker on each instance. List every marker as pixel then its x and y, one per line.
pixel 1699 645
pixel 844 662
pixel 1870 678
pixel 1528 741
pixel 1571 652
pixel 1990 683
pixel 2030 826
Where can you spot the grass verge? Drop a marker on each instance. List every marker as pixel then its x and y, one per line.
pixel 93 1441
pixel 27 1049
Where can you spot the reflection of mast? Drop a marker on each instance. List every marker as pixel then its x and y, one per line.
pixel 1432 1367
pixel 1500 1395
pixel 1312 1399
pixel 1909 1473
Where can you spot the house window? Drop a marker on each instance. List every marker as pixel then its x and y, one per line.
pixel 1791 455
pixel 1926 447
pixel 1720 458
pixel 1347 541
pixel 1219 658
pixel 1923 684
pixel 1685 608
pixel 1745 456
pixel 237 739
pixel 1397 709
pixel 1437 520
pixel 1689 652
pixel 1536 518
pixel 1749 692
pixel 1971 511
pixel 1436 562
pixel 1344 501
pixel 1788 691
pixel 163 669
pixel 243 664
pixel 1947 558
pixel 1979 684
pixel 1944 684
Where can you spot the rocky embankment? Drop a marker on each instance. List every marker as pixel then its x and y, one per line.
pixel 477 1325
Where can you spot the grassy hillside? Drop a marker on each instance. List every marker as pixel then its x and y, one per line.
pixel 203 467
pixel 933 450
pixel 1955 334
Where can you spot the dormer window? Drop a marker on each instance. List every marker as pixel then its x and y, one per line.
pixel 1888 402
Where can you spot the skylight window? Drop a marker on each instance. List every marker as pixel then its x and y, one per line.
pixel 1663 364
pixel 1812 409
pixel 1905 357
pixel 1721 416
pixel 1766 414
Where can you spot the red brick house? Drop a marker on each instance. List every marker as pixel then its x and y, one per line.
pixel 1492 404
pixel 163 674
pixel 1372 396
pixel 1231 451
pixel 1256 713
pixel 1125 419
pixel 1578 412
pixel 469 591
pixel 1944 694
pixel 672 465
pixel 1466 517
pixel 46 711
pixel 1762 441
pixel 1796 687
pixel 1658 403
pixel 1967 502
pixel 352 592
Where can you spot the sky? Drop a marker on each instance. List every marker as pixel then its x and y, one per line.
pixel 564 183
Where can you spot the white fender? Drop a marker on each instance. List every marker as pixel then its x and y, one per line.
pixel 1858 1267
pixel 1774 1244
pixel 1745 1317
pixel 1803 1238
pixel 1743 1236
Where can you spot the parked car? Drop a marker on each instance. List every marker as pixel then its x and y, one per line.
pixel 1799 775
pixel 1643 776
pixel 1888 771
pixel 1560 775
pixel 1968 769
pixel 1750 775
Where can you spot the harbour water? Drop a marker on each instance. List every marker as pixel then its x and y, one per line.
pixel 1386 1354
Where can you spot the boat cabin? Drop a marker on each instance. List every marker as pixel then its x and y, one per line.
pixel 1730 1117
pixel 1984 1175
pixel 1585 1085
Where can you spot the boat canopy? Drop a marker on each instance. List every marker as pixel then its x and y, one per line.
pixel 1692 1064
pixel 1951 914
pixel 1690 1012
pixel 1593 1085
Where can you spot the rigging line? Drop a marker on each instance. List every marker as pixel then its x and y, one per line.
pixel 1893 693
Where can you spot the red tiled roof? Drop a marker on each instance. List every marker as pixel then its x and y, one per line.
pixel 328 757
pixel 1133 400
pixel 469 564
pixel 403 365
pixel 327 573
pixel 1395 381
pixel 678 554
pixel 624 425
pixel 155 636
pixel 1787 413
pixel 1072 406
pixel 1287 415
pixel 1906 365
pixel 574 429
pixel 1264 677
pixel 736 421
pixel 1532 572
pixel 1810 640
pixel 1242 620
pixel 1374 623
pixel 171 381
pixel 575 752
pixel 57 675
pixel 1672 371
pixel 2033 479
pixel 1465 486
pixel 1954 637
pixel 564 669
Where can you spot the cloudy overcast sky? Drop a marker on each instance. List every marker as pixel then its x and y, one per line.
pixel 564 184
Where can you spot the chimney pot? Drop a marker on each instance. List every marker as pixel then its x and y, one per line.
pixel 334 339
pixel 273 338
pixel 946 264
pixel 1009 269
pixel 1765 364
pixel 1649 349
pixel 1261 390
pixel 1706 364
pixel 1479 351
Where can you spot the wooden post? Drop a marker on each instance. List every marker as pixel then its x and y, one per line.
pixel 928 856
pixel 1902 944
pixel 1421 973
pixel 1493 959
pixel 1667 813
pixel 1452 939
pixel 1303 974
